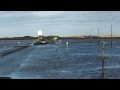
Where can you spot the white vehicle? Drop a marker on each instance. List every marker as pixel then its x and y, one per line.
pixel 43 41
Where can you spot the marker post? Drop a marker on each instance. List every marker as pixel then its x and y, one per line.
pixel 67 47
pixel 103 58
pixel 18 43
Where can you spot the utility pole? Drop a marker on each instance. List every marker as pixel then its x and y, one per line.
pixel 98 37
pixel 111 36
pixel 91 39
pixel 102 58
pixel 91 36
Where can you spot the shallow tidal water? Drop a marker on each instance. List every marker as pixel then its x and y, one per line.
pixel 82 61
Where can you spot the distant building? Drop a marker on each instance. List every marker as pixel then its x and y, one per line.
pixel 39 36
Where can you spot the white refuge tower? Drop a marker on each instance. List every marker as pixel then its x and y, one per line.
pixel 39 35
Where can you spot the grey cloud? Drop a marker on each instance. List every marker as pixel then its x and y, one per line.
pixel 66 20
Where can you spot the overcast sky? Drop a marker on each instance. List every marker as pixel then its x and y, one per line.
pixel 61 23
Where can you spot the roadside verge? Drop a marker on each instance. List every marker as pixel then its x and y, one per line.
pixel 16 48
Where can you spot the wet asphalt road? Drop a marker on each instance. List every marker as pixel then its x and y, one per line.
pixel 29 63
pixel 52 62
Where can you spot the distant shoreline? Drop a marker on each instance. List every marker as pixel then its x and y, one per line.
pixel 93 37
pixel 66 37
pixel 18 38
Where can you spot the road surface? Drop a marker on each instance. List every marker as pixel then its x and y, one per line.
pixel 36 62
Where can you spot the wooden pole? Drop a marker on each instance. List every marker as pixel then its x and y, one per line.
pixel 91 40
pixel 91 36
pixel 103 58
pixel 98 37
pixel 111 36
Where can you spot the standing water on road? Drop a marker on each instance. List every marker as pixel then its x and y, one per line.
pixel 82 61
